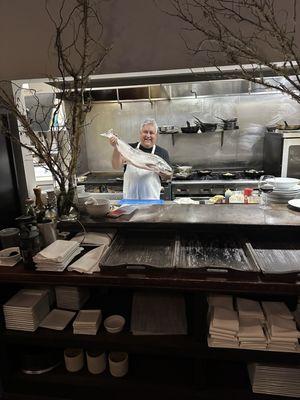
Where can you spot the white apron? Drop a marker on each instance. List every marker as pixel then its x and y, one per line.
pixel 141 184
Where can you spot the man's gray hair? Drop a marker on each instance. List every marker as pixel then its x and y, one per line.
pixel 149 121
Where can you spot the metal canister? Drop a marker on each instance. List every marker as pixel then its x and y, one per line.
pixel 29 239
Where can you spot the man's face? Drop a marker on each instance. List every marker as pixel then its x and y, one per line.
pixel 148 136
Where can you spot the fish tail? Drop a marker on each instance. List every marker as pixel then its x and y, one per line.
pixel 108 134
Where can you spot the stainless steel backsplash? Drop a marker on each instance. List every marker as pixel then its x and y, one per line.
pixel 241 148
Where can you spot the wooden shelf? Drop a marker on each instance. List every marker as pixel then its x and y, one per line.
pixel 173 280
pixel 169 345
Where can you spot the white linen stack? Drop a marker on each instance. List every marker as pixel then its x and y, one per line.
pixel 95 238
pixel 275 379
pixel 281 329
pixel 57 255
pixel 251 317
pixel 224 323
pixel 89 262
pixel 87 322
pixel 26 309
pixel 71 297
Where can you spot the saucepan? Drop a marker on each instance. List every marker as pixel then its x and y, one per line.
pixel 205 126
pixel 229 123
pixel 189 128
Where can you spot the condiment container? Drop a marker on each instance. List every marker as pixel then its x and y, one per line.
pixel 247 194
pixel 118 363
pixel 74 359
pixel 96 361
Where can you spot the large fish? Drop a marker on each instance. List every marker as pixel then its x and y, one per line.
pixel 139 158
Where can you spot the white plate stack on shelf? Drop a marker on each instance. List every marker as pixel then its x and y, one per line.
pixel 281 329
pixel 87 322
pixel 26 309
pixel 223 322
pixel 251 319
pixel 57 319
pixel 57 255
pixel 71 297
pixel 285 189
pixel 275 379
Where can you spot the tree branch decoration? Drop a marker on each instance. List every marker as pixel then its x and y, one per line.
pixel 79 53
pixel 255 32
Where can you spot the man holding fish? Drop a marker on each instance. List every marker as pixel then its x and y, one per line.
pixel 145 163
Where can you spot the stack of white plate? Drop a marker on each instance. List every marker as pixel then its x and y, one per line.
pixel 284 195
pixel 275 379
pixel 26 309
pixel 87 322
pixel 71 297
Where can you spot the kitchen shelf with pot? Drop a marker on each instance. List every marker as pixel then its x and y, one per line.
pixel 175 366
pixel 220 132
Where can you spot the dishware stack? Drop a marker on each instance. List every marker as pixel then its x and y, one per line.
pixel 87 322
pixel 275 379
pixel 57 319
pixel 285 189
pixel 26 309
pixel 57 256
pixel 71 297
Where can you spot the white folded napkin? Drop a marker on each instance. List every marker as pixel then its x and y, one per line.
pixel 225 319
pixel 95 238
pixel 89 262
pixel 249 309
pixel 276 308
pixel 57 251
pixel 222 301
pixel 250 329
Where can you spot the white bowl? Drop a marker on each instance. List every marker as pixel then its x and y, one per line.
pixel 283 183
pixel 98 210
pixel 114 323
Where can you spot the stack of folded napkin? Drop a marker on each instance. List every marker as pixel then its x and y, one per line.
pixel 224 323
pixel 281 329
pixel 251 318
pixel 89 262
pixel 57 255
pixel 87 322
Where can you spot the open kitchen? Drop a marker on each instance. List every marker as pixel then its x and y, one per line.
pixel 150 217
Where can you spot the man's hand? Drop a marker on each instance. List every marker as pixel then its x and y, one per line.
pixel 113 141
pixel 165 177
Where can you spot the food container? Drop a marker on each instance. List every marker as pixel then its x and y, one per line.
pixel 96 361
pixel 98 210
pixel 9 237
pixel 74 359
pixel 114 323
pixel 118 363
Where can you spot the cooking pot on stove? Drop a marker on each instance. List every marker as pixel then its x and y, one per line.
pixel 204 172
pixel 228 175
pixel 253 173
pixel 287 127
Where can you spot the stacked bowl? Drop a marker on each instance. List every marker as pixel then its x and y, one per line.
pixel 285 189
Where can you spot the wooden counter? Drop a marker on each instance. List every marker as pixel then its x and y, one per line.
pixel 191 216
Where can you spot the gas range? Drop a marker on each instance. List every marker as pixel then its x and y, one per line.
pixel 196 185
